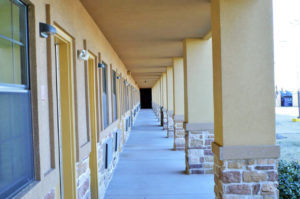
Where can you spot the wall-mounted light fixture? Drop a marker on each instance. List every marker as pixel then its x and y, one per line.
pixel 83 54
pixel 101 65
pixel 46 30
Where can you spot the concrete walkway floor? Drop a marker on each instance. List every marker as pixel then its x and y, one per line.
pixel 149 169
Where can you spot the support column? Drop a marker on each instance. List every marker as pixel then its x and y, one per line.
pixel 161 116
pixel 198 94
pixel 170 122
pixel 158 100
pixel 178 103
pixel 155 99
pixel 245 151
pixel 165 102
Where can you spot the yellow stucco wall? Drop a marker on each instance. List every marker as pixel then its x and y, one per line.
pixel 165 94
pixel 243 76
pixel 170 87
pixel 198 81
pixel 72 17
pixel 178 88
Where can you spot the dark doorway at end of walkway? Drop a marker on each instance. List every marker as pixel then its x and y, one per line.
pixel 146 98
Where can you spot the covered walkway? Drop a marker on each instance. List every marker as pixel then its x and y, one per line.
pixel 71 74
pixel 149 169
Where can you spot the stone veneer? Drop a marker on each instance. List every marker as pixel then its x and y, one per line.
pixel 50 194
pixel 83 179
pixel 122 133
pixel 105 174
pixel 245 179
pixel 165 119
pixel 179 138
pixel 156 110
pixel 198 153
pixel 157 113
pixel 127 118
pixel 161 116
pixel 170 123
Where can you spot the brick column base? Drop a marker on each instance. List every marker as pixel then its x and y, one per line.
pixel 165 119
pixel 158 113
pixel 50 195
pixel 198 153
pixel 179 139
pixel 83 179
pixel 161 116
pixel 156 110
pixel 243 179
pixel 170 125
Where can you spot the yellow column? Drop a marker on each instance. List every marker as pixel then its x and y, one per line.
pixel 198 92
pixel 161 92
pixel 165 101
pixel 170 127
pixel 155 97
pixel 170 88
pixel 160 101
pixel 198 83
pixel 244 97
pixel 178 103
pixel 165 96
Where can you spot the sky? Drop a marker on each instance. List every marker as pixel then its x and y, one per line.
pixel 287 44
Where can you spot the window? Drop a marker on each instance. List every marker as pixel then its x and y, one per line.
pixel 16 148
pixel 104 96
pixel 114 90
pixel 125 96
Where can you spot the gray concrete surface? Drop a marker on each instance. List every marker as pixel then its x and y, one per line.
pixel 284 124
pixel 288 133
pixel 149 169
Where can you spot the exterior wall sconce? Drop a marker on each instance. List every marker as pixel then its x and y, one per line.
pixel 83 54
pixel 101 65
pixel 46 30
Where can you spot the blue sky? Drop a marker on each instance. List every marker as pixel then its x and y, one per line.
pixel 287 43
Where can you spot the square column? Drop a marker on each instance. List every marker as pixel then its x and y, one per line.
pixel 165 102
pixel 198 87
pixel 245 151
pixel 158 107
pixel 178 103
pixel 179 133
pixel 155 101
pixel 170 122
pixel 161 115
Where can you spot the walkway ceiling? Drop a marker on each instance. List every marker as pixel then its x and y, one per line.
pixel 146 34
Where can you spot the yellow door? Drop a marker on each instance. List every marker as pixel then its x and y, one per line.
pixel 65 101
pixel 93 124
